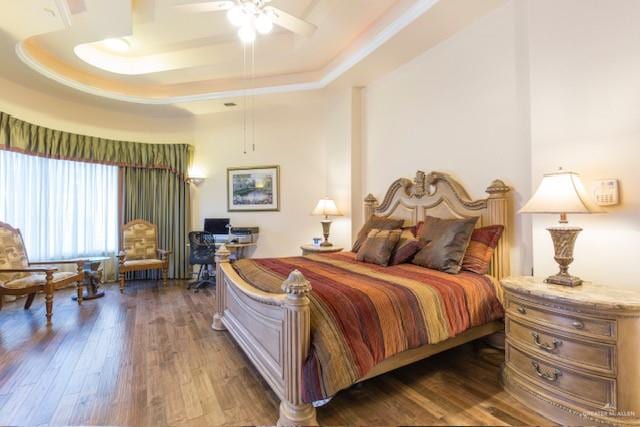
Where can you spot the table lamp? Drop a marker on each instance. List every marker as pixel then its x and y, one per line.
pixel 326 207
pixel 562 193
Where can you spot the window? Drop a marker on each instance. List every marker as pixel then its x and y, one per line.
pixel 64 209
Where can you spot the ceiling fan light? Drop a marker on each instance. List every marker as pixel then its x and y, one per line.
pixel 247 34
pixel 116 44
pixel 263 23
pixel 237 17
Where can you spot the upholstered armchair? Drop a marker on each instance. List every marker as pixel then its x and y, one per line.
pixel 140 250
pixel 19 276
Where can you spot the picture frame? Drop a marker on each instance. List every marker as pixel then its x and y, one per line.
pixel 253 189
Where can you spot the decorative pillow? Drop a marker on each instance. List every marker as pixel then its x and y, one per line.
pixel 483 241
pixel 407 247
pixel 378 246
pixel 446 242
pixel 381 223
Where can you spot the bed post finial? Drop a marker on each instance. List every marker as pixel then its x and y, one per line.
pixel 222 258
pixel 297 335
pixel 498 213
pixel 497 188
pixel 370 205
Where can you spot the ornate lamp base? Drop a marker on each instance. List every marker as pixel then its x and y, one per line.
pixel 564 239
pixel 326 225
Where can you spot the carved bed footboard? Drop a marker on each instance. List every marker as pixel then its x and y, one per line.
pixel 272 329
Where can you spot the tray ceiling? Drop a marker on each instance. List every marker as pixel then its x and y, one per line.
pixel 176 57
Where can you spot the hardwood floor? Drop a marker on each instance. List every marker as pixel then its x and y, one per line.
pixel 150 358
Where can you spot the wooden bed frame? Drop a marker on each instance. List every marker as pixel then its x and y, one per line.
pixel 274 329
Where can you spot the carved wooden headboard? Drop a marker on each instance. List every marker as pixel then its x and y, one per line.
pixel 438 194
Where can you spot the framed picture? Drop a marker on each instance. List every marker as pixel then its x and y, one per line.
pixel 253 189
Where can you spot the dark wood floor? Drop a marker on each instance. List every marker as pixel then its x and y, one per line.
pixel 150 358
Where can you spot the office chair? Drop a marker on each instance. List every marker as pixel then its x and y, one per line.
pixel 203 250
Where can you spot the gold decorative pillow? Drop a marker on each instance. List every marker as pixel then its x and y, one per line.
pixel 446 242
pixel 378 222
pixel 378 246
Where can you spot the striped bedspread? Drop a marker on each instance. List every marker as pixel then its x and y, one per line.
pixel 362 314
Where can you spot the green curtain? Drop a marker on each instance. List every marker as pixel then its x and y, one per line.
pixel 152 177
pixel 162 198
pixel 24 137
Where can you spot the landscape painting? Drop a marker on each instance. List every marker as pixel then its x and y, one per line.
pixel 253 189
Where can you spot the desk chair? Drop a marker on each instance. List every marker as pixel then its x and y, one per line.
pixel 202 252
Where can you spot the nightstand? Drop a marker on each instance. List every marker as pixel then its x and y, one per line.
pixel 317 249
pixel 572 353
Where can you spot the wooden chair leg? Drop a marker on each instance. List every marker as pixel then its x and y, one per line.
pixel 121 282
pixel 29 301
pixel 79 291
pixel 165 273
pixel 48 289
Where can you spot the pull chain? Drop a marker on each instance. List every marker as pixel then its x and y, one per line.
pixel 244 101
pixel 253 96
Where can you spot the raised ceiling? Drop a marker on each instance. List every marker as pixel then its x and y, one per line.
pixel 178 57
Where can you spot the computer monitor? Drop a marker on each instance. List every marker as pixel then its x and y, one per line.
pixel 216 225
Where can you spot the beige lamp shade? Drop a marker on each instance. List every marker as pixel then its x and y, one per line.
pixel 561 192
pixel 326 207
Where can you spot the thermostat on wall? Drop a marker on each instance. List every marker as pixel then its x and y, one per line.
pixel 606 192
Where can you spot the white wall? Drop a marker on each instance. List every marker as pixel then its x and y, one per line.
pixel 461 108
pixel 585 105
pixel 309 140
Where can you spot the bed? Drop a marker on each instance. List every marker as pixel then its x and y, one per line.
pixel 269 308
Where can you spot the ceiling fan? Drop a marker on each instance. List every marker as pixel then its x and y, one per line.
pixel 251 16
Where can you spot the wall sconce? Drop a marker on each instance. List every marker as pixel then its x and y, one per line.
pixel 195 176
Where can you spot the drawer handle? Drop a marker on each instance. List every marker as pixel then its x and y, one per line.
pixel 546 347
pixel 578 324
pixel 549 377
pixel 522 310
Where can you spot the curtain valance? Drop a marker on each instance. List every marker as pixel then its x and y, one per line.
pixel 21 136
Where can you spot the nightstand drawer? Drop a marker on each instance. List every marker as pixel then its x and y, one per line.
pixel 587 390
pixel 555 318
pixel 576 352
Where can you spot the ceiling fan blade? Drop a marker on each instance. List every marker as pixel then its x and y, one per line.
pixel 290 22
pixel 207 6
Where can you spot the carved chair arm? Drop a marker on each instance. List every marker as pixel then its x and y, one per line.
pixel 29 270
pixel 162 253
pixel 122 256
pixel 78 262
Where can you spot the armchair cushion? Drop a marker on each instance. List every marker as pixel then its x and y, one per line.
pixel 149 263
pixel 38 280
pixel 139 240
pixel 12 253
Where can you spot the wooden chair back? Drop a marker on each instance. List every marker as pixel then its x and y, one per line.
pixel 13 254
pixel 140 240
